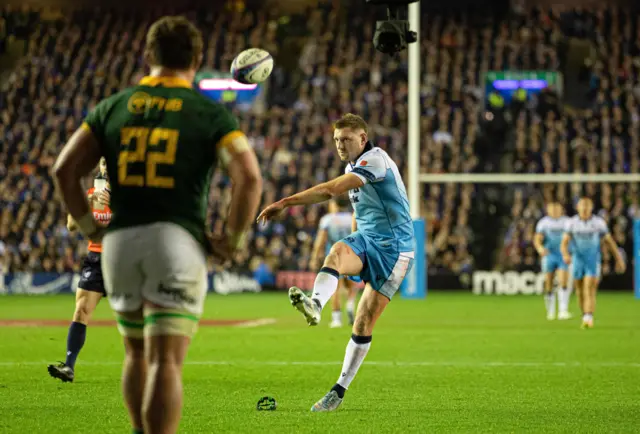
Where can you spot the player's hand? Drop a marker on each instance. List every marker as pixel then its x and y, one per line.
pixel 96 237
pixel 566 259
pixel 221 250
pixel 621 267
pixel 271 212
pixel 103 197
pixel 543 252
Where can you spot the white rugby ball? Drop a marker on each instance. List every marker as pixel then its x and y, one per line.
pixel 252 66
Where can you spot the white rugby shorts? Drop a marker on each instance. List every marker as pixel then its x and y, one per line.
pixel 160 263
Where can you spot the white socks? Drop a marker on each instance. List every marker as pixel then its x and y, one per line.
pixel 550 302
pixel 564 295
pixel 351 305
pixel 325 285
pixel 336 316
pixel 357 349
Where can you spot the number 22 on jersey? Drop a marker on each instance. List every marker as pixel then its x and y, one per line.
pixel 140 145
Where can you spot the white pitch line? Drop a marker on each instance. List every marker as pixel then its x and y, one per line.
pixel 256 323
pixel 371 363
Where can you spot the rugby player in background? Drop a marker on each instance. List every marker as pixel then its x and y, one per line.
pixel 333 227
pixel 549 232
pixel 91 285
pixel 587 231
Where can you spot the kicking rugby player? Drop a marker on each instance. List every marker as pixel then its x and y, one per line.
pixel 380 251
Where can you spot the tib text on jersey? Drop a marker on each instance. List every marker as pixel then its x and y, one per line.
pixel 337 225
pixel 553 230
pixel 586 235
pixel 381 205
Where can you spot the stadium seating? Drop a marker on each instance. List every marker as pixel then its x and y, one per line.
pixel 75 61
pixel 600 139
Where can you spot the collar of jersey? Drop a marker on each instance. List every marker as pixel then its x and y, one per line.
pixel 164 81
pixel 367 147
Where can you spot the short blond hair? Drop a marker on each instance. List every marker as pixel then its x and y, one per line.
pixel 352 121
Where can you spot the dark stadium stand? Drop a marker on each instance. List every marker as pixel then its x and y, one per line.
pixel 602 138
pixel 76 60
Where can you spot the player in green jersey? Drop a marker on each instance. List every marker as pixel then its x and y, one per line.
pixel 161 141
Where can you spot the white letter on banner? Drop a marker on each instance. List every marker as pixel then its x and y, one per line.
pixel 476 282
pixel 529 280
pixel 511 283
pixel 481 282
pixel 540 283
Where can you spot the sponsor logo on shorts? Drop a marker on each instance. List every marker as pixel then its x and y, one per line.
pixel 178 294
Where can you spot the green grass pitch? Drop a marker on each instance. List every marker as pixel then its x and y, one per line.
pixel 452 363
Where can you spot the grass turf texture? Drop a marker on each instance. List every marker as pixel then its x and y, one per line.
pixel 452 363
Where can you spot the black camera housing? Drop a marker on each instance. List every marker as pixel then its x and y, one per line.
pixel 393 35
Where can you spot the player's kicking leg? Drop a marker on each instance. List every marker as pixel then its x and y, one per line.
pixel 341 260
pixel 86 302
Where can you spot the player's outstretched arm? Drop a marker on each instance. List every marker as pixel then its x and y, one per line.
pixel 78 158
pixel 319 193
pixel 564 247
pixel 615 251
pixel 244 171
pixel 354 223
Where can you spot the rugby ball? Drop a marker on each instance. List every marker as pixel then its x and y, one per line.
pixel 252 66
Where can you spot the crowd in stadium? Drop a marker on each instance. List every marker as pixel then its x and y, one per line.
pixel 76 60
pixel 603 138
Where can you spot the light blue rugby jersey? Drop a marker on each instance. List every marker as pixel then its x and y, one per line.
pixel 337 225
pixel 553 230
pixel 381 205
pixel 586 235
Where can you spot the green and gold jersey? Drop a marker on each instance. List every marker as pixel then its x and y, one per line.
pixel 161 140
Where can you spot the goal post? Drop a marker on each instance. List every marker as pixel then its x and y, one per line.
pixel 415 283
pixel 507 207
pixel 636 258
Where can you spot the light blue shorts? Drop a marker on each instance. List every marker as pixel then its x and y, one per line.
pixel 384 267
pixel 585 267
pixel 553 262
